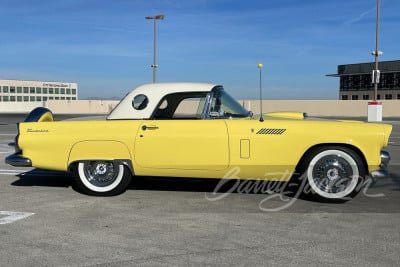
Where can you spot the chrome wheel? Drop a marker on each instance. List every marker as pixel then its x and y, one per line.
pixel 333 174
pixel 102 177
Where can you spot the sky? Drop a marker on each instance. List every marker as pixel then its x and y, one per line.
pixel 106 46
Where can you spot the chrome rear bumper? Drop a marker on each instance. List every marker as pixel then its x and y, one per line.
pixel 18 161
pixel 382 172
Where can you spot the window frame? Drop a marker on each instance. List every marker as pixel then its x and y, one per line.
pixel 204 114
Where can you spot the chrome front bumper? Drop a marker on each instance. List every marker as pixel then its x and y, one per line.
pixel 18 161
pixel 383 171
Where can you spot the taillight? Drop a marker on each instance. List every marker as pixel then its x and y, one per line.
pixel 16 139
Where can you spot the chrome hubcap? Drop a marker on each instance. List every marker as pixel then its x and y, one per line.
pixel 332 174
pixel 101 169
pixel 101 173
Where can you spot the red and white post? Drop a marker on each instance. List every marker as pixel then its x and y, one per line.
pixel 375 111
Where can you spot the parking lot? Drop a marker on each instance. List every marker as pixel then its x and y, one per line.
pixel 44 221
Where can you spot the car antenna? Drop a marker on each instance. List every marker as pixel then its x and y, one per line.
pixel 260 65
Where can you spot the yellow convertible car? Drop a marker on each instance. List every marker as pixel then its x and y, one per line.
pixel 199 130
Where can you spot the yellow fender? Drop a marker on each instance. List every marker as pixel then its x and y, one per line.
pixel 99 150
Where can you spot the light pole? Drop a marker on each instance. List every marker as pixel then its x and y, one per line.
pixel 375 107
pixel 154 66
pixel 260 66
pixel 376 53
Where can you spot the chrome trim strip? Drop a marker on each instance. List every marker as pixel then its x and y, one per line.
pixel 18 161
pixel 207 105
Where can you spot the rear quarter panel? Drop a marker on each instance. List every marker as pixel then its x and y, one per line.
pixel 54 145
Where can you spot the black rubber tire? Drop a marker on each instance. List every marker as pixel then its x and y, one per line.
pixel 328 168
pixel 102 178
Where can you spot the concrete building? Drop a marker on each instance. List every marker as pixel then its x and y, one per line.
pixel 36 91
pixel 356 81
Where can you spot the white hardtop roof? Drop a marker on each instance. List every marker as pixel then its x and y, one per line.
pixel 175 87
pixel 154 92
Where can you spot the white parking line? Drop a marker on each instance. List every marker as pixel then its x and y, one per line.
pixel 13 216
pixel 12 172
pixel 6 148
pixel 34 172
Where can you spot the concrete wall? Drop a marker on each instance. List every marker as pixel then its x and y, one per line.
pixel 61 106
pixel 18 107
pixel 356 108
pixel 81 106
pixel 391 108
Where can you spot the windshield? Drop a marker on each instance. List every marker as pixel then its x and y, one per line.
pixel 225 106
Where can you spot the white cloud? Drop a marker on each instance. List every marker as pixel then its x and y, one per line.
pixel 359 17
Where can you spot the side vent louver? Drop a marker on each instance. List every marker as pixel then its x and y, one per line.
pixel 271 131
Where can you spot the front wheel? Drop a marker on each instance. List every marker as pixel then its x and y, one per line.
pixel 102 178
pixel 334 174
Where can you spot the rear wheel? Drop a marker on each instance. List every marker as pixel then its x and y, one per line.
pixel 102 178
pixel 333 174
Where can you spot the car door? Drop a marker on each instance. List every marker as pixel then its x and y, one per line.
pixel 184 144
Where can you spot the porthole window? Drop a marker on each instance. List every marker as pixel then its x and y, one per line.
pixel 140 102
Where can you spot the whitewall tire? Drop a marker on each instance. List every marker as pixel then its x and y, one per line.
pixel 102 178
pixel 334 174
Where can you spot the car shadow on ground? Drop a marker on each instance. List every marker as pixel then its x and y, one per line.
pixel 395 178
pixel 209 185
pixel 43 178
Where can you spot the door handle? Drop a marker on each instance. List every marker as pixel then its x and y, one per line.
pixel 150 127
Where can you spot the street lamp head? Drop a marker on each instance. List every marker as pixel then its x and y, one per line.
pixel 156 17
pixel 380 53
